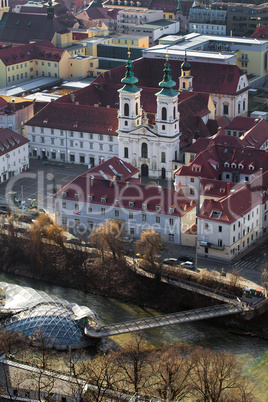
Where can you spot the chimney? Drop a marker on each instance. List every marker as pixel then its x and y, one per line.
pixel 227 189
pixel 72 97
pixel 256 121
pixel 127 183
pixel 91 181
pixel 13 106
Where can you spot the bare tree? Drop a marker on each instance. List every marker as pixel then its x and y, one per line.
pixel 12 342
pixel 133 363
pixel 102 375
pixel 107 238
pixel 217 376
pixel 171 369
pixel 149 244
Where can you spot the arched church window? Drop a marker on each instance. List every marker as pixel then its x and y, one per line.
pixel 183 85
pixel 125 152
pixel 163 157
pixel 126 109
pixel 239 107
pixel 144 150
pixel 174 113
pixel 137 108
pixel 164 113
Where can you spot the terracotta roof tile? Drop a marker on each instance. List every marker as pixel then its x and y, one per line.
pixel 77 117
pixel 9 140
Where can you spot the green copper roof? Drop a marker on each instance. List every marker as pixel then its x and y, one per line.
pixel 129 80
pixel 167 83
pixel 186 65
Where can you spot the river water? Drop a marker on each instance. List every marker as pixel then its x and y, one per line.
pixel 252 352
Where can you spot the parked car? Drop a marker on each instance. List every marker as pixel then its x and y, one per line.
pixel 188 264
pixel 185 258
pixel 171 261
pixel 139 255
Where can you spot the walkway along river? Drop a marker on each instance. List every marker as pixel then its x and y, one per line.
pixel 252 351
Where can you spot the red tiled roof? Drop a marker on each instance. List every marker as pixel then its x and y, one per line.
pixel 101 13
pixel 207 77
pixel 260 33
pixel 77 117
pixel 113 168
pixel 9 140
pixel 231 154
pixel 44 50
pixel 133 191
pixel 165 5
pixel 240 123
pixel 217 188
pixel 257 135
pixel 185 6
pixel 230 208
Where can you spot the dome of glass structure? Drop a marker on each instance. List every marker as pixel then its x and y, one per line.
pixel 36 314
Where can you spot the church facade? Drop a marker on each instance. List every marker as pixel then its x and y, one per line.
pixel 151 147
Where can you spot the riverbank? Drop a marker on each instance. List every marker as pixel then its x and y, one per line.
pixel 83 270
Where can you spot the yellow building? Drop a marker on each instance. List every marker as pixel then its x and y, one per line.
pixel 41 59
pixel 4 8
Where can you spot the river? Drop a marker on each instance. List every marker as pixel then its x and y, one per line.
pixel 252 352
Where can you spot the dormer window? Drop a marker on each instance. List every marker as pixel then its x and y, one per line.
pixel 103 199
pixel 144 206
pixel 90 197
pixel 171 210
pixel 240 166
pixel 251 167
pixel 215 214
pixel 191 203
pixel 233 165
pixel 131 204
pixel 64 194
pixel 76 196
pixel 184 207
pixel 116 202
pixel 226 164
pixel 158 208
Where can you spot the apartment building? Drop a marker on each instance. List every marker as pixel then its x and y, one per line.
pixel 110 191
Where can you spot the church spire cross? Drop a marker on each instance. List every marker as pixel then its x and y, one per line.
pixel 167 81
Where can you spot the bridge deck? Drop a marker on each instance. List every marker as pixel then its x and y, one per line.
pixel 168 319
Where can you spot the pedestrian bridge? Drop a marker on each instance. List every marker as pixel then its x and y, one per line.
pixel 169 319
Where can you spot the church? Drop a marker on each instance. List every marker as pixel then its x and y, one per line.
pixel 150 146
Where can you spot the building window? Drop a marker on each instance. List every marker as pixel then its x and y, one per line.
pixel 164 113
pixel 157 219
pixel 171 237
pixel 143 217
pixel 77 222
pixel 192 191
pixel 111 138
pixel 220 228
pixel 101 137
pixel 81 144
pixel 144 150
pixel 163 157
pixel 130 215
pixel 72 158
pixel 126 109
pixel 220 242
pixel 103 211
pixel 226 109
pixel 116 213
pixel 43 140
pixel 171 221
pixel 110 148
pixel 52 141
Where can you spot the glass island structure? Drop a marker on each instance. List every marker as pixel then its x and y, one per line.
pixel 36 314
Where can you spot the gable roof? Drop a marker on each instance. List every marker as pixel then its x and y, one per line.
pixel 43 50
pixel 240 123
pixel 125 191
pixel 9 140
pixel 232 207
pixel 207 77
pixel 24 28
pixel 75 117
pixel 228 158
pixel 257 136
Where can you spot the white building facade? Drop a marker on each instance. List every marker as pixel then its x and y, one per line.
pixel 151 148
pixel 14 154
